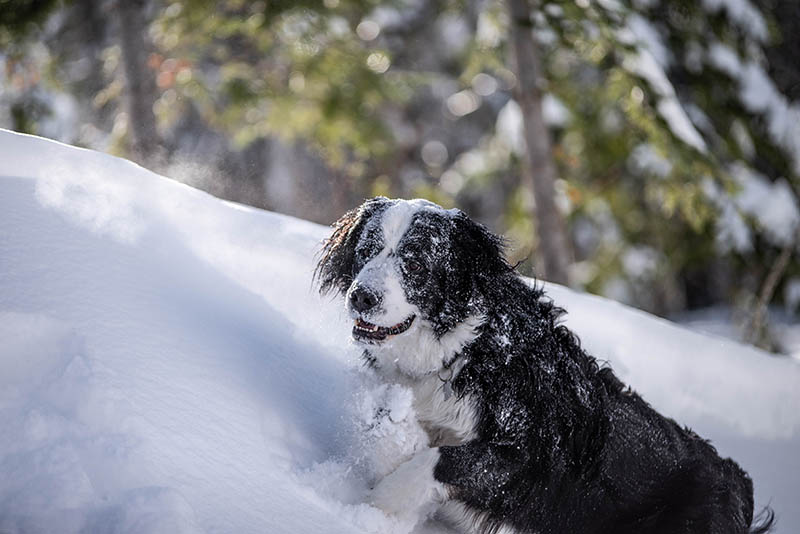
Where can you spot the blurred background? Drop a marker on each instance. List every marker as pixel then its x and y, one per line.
pixel 645 150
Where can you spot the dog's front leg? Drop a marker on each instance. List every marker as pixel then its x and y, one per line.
pixel 391 433
pixel 411 491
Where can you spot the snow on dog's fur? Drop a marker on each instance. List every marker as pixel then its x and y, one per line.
pixel 526 433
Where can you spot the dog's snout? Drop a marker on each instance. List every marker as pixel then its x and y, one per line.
pixel 363 300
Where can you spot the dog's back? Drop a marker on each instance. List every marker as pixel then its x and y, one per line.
pixel 599 459
pixel 666 479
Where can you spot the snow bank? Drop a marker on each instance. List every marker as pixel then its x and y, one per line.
pixel 166 365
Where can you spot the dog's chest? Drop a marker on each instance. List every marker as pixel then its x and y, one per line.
pixel 448 419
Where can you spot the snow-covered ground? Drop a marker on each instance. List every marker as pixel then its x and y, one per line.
pixel 166 365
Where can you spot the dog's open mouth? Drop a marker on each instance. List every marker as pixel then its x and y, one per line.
pixel 364 331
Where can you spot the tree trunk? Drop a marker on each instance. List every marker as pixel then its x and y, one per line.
pixel 91 27
pixel 140 83
pixel 92 30
pixel 542 170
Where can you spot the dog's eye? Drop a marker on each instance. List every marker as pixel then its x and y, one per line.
pixel 413 266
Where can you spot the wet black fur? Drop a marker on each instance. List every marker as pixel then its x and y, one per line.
pixel 562 446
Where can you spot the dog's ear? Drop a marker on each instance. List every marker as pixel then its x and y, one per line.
pixel 475 250
pixel 475 258
pixel 334 271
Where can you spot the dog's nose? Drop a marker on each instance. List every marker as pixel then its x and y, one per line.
pixel 362 299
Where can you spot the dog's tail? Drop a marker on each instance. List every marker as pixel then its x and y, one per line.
pixel 763 522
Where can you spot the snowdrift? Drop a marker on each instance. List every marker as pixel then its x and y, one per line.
pixel 166 366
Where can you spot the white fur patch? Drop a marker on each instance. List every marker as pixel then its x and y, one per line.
pixel 448 419
pixel 397 219
pixel 418 352
pixel 397 308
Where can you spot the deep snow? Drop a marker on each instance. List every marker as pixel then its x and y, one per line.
pixel 166 365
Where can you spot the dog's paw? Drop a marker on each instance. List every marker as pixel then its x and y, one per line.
pixel 395 494
pixel 391 434
pixel 410 490
pixel 385 406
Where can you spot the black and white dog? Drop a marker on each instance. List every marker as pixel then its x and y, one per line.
pixel 526 432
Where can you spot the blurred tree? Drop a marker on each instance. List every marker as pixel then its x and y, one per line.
pixel 673 131
pixel 140 87
pixel 542 170
pixel 18 20
pixel 783 49
pixel 292 73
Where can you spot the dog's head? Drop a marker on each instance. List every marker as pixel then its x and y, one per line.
pixel 405 266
